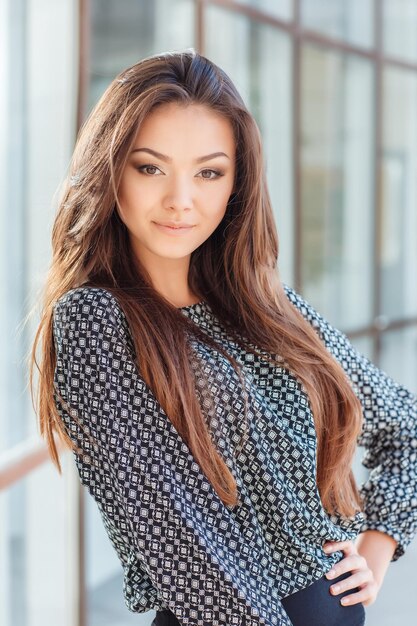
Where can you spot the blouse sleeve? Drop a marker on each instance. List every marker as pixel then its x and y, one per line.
pixel 132 459
pixel 389 435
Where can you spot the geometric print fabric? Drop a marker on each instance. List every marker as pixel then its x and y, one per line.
pixel 180 547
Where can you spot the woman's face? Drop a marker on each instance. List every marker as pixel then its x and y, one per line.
pixel 180 172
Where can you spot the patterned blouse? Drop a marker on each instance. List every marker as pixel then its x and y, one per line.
pixel 180 547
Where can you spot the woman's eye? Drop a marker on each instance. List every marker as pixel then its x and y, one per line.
pixel 148 169
pixel 210 174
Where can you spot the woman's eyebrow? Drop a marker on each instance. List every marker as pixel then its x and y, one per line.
pixel 168 159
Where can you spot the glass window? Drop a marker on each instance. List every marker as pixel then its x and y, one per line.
pixel 337 185
pixel 262 74
pixel 126 31
pixel 278 8
pixel 350 21
pixel 399 356
pixel 37 127
pixel 365 345
pixel 39 549
pixel 399 194
pixel 400 28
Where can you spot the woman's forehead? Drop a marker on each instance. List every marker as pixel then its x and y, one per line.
pixel 193 127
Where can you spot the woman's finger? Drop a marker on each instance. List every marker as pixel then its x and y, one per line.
pixel 334 546
pixel 351 582
pixel 367 596
pixel 354 562
pixel 362 577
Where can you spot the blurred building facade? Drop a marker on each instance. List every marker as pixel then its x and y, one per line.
pixel 333 87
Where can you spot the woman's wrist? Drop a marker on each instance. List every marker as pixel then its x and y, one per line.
pixel 378 549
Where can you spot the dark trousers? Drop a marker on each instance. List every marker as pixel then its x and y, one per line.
pixel 316 606
pixel 312 606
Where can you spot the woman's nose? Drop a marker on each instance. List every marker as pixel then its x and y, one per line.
pixel 179 193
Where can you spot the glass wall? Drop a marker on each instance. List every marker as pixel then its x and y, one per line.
pixel 38 514
pixel 399 29
pixel 333 88
pixel 337 221
pixel 128 30
pixel 39 543
pixel 352 22
pixel 277 8
pixel 399 194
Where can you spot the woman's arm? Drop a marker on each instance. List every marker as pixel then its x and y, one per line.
pixel 389 435
pixel 389 438
pixel 378 549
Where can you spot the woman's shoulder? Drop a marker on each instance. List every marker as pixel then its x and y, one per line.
pixel 88 304
pixel 85 294
pixel 296 298
pixel 309 312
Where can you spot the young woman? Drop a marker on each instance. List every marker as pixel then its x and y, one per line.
pixel 213 413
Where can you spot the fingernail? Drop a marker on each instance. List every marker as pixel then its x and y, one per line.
pixel 335 588
pixel 345 600
pixel 331 573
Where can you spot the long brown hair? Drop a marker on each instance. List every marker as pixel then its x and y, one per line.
pixel 234 270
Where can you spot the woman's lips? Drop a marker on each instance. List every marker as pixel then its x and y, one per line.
pixel 174 231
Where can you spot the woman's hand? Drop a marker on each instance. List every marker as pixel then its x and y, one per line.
pixel 361 577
